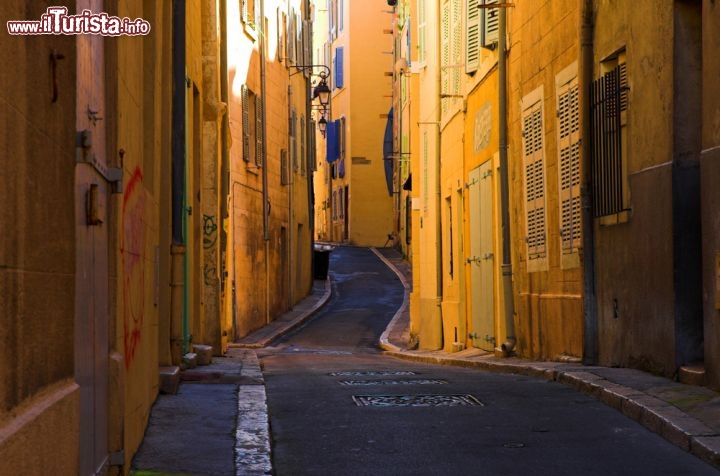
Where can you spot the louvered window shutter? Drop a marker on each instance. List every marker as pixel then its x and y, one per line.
pixel 291 39
pixel 339 79
pixel 259 149
pixel 245 123
pixel 534 166
pixel 445 52
pixel 293 140
pixel 284 167
pixel 244 13
pixel 569 150
pixel 307 45
pixel 421 31
pixel 457 44
pixel 303 156
pixel 490 24
pixel 472 36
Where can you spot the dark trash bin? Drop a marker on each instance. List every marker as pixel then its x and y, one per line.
pixel 321 262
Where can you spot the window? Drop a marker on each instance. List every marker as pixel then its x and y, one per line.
pixel 249 17
pixel 568 126
pixel 490 24
pixel 334 205
pixel 292 127
pixel 472 36
pixel 338 68
pixel 259 139
pixel 341 204
pixel 252 120
pixel 422 29
pixel 341 14
pixel 303 156
pixel 450 51
pixel 281 36
pixel 284 175
pixel 609 96
pixel 533 151
pixel 451 270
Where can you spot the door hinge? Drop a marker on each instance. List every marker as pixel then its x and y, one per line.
pixel 84 155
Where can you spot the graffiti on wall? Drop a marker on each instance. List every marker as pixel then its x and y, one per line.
pixel 209 231
pixel 132 257
pixel 210 235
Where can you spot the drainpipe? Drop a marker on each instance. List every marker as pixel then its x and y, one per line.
pixel 225 206
pixel 590 339
pixel 178 183
pixel 311 153
pixel 438 200
pixel 291 226
pixel 509 345
pixel 266 203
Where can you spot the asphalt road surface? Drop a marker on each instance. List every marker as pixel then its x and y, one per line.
pixel 338 406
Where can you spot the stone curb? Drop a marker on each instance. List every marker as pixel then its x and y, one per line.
pixel 654 414
pixel 292 325
pixel 385 343
pixel 658 416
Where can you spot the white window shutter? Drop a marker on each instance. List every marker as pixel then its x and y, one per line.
pixel 422 29
pixel 490 24
pixel 445 52
pixel 472 36
pixel 457 37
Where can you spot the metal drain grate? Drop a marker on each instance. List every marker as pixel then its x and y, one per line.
pixel 371 373
pixel 416 400
pixel 417 381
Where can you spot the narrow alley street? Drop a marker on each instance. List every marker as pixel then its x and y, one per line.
pixel 337 405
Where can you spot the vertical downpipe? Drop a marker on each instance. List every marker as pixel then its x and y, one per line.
pixel 178 182
pixel 590 339
pixel 266 203
pixel 508 298
pixel 310 151
pixel 438 202
pixel 225 206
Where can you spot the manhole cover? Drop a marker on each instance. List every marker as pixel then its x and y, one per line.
pixel 416 381
pixel 415 400
pixel 371 373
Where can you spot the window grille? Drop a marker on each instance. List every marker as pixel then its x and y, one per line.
pixel 609 99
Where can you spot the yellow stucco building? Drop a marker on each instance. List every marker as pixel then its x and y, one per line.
pixel 170 223
pixel 567 253
pixel 354 203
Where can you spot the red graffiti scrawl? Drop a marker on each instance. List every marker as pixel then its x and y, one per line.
pixel 132 255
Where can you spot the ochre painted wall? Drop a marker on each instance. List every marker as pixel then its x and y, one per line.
pixel 544 41
pixel 39 401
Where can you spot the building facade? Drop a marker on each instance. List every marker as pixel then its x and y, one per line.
pixel 170 223
pixel 596 241
pixel 355 205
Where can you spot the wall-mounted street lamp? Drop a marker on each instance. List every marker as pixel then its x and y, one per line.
pixel 322 125
pixel 321 91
